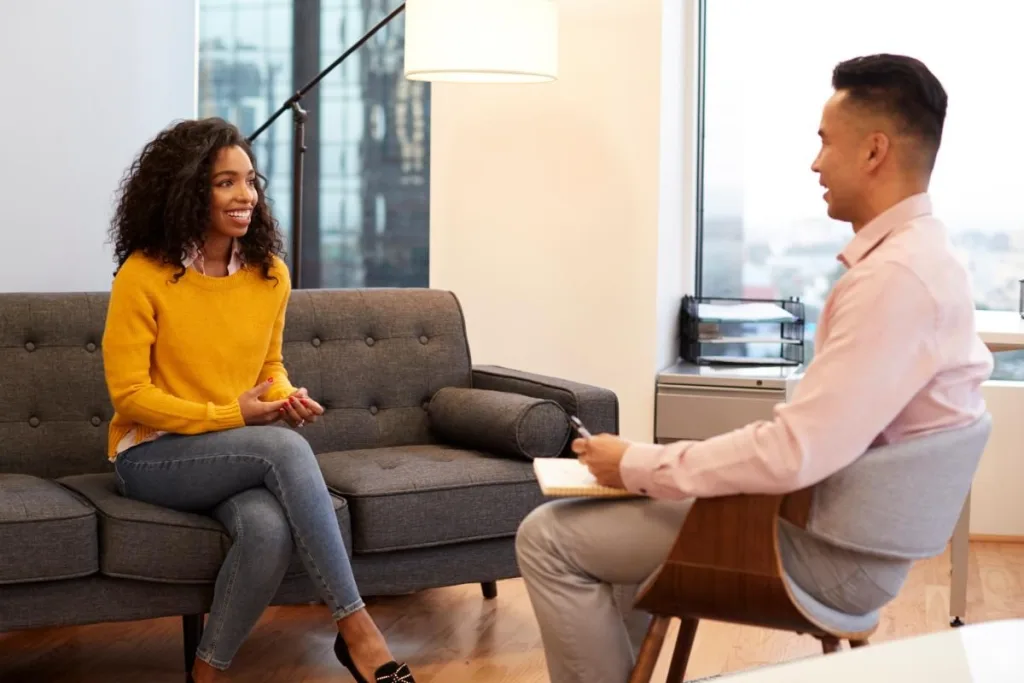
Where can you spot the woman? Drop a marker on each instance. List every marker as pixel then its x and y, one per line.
pixel 193 361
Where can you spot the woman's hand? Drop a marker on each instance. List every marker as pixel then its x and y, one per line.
pixel 259 412
pixel 299 409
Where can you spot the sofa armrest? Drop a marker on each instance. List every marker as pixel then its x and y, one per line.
pixel 597 408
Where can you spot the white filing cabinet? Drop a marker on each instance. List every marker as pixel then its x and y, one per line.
pixel 696 402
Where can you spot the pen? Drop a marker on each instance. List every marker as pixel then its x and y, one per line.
pixel 579 427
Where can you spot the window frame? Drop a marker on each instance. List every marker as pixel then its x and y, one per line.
pixel 702 40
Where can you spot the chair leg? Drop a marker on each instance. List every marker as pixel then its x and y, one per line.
pixel 192 630
pixel 829 644
pixel 649 650
pixel 490 589
pixel 858 643
pixel 681 653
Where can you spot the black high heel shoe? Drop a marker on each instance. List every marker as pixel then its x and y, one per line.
pixel 392 672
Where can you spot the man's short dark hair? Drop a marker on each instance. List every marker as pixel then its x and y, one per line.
pixel 902 89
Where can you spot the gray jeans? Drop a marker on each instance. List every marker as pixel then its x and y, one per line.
pixel 263 484
pixel 583 560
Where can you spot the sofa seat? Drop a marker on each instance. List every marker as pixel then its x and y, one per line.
pixel 422 496
pixel 152 543
pixel 46 532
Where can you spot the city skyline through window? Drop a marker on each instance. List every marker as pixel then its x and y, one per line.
pixel 367 167
pixel 768 73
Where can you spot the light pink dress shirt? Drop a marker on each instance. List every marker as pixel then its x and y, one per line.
pixel 897 356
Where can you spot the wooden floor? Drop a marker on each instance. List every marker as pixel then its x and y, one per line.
pixel 453 636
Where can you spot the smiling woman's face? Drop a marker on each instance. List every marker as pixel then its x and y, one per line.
pixel 234 194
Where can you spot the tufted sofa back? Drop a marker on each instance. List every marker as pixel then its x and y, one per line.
pixel 373 358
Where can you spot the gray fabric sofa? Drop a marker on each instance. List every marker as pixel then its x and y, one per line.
pixel 417 511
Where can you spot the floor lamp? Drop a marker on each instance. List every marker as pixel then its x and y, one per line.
pixel 462 41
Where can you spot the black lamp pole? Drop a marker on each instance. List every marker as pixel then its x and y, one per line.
pixel 299 116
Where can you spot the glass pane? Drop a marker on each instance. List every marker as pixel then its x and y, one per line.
pixel 374 154
pixel 245 73
pixel 372 176
pixel 768 74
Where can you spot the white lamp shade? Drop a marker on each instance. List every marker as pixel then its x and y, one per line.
pixel 482 41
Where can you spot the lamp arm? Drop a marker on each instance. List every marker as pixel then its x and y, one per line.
pixel 294 99
pixel 299 117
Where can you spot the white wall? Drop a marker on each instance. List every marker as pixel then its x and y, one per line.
pixel 549 218
pixel 85 84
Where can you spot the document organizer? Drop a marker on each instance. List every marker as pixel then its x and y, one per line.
pixel 743 332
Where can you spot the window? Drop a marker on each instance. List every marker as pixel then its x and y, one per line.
pixel 367 166
pixel 767 70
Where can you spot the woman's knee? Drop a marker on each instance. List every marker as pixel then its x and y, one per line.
pixel 256 520
pixel 285 450
pixel 281 441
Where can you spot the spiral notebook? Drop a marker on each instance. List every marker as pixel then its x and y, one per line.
pixel 568 477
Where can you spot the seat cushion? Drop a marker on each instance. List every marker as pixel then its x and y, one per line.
pixel 46 532
pixel 153 543
pixel 420 496
pixel 827 618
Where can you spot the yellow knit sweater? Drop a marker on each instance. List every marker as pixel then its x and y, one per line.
pixel 177 355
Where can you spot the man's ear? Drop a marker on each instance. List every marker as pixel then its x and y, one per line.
pixel 879 147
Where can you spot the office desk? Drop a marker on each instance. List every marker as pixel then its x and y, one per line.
pixel 1000 330
pixel 980 653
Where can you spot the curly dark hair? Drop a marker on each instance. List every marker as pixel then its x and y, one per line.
pixel 163 206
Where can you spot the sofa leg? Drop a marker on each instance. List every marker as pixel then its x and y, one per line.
pixel 490 589
pixel 192 630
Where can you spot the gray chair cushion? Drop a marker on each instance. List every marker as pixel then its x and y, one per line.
pixel 46 532
pixel 152 543
pixel 901 500
pixel 421 496
pixel 831 620
pixel 498 422
pixel 893 505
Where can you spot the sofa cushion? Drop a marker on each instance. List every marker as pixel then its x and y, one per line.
pixel 499 422
pixel 46 532
pixel 153 543
pixel 421 496
pixel 54 399
pixel 373 358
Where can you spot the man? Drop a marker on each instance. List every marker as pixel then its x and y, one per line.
pixel 897 357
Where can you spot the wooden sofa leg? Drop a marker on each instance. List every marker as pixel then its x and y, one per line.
pixel 192 630
pixel 858 643
pixel 490 589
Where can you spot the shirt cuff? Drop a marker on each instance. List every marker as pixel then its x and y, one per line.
pixel 637 467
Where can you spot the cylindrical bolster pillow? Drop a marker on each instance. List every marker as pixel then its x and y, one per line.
pixel 498 422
